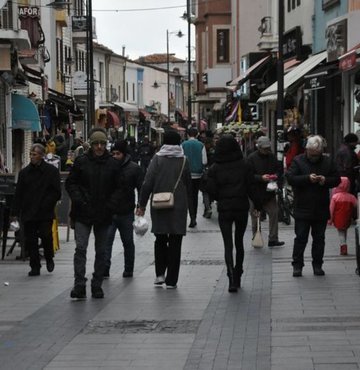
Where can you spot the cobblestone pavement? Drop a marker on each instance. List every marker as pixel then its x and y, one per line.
pixel 275 322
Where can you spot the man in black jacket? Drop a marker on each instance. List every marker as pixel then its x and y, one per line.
pixel 265 167
pixel 95 188
pixel 311 175
pixel 124 217
pixel 37 191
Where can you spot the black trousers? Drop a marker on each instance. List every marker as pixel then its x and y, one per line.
pixel 167 256
pixel 226 221
pixel 302 229
pixel 33 230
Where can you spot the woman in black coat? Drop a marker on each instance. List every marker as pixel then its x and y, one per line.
pixel 230 181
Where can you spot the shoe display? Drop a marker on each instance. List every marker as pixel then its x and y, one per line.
pixel 159 280
pixel 50 265
pixel 297 272
pixel 275 244
pixel 127 274
pixel 79 292
pixel 318 271
pixel 34 272
pixel 192 223
pixel 343 250
pixel 97 292
pixel 171 286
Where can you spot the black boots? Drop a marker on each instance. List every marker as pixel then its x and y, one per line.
pixel 232 285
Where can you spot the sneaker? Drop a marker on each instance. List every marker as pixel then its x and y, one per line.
pixel 33 272
pixel 343 250
pixel 50 265
pixel 276 243
pixel 79 292
pixel 127 274
pixel 171 286
pixel 297 271
pixel 97 292
pixel 159 280
pixel 318 271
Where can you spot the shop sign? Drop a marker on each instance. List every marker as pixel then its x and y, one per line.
pixel 292 44
pixel 204 78
pixel 348 61
pixel 29 11
pixel 315 82
pixel 80 86
pixel 79 23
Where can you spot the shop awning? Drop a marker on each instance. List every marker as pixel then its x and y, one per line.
pixel 244 77
pixel 25 115
pixel 145 113
pixel 127 107
pixel 270 94
pixel 113 119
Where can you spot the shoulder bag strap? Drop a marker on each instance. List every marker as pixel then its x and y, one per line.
pixel 182 169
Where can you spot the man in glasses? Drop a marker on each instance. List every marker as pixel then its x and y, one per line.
pixel 37 191
pixel 94 186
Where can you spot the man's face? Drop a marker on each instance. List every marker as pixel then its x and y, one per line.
pixel 98 148
pixel 35 156
pixel 313 155
pixel 117 155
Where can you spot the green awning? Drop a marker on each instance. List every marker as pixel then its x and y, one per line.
pixel 25 115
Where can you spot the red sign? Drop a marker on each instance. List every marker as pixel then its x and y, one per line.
pixel 347 61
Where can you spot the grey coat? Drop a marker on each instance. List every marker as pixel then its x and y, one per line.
pixel 161 176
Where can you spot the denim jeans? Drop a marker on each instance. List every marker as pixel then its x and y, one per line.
pixel 302 229
pixel 123 223
pixel 82 233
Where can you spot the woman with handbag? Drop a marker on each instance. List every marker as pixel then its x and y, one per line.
pixel 230 182
pixel 168 183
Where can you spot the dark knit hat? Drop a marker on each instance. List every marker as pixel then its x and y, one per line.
pixel 171 137
pixel 227 144
pixel 351 138
pixel 97 135
pixel 121 146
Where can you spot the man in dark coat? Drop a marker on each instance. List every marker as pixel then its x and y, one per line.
pixel 37 191
pixel 124 216
pixel 145 152
pixel 346 160
pixel 265 167
pixel 94 187
pixel 311 175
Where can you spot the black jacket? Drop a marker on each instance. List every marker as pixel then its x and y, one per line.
pixel 311 201
pixel 263 164
pixel 96 188
pixel 133 177
pixel 37 191
pixel 145 153
pixel 230 181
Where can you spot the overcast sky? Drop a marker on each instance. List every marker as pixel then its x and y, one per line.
pixel 142 32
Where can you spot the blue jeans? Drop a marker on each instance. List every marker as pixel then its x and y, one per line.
pixel 82 233
pixel 123 223
pixel 302 229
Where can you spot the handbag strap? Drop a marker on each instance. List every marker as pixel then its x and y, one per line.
pixel 182 169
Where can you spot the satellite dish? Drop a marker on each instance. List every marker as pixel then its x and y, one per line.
pixel 2 3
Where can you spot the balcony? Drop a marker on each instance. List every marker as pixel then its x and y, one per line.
pixel 268 41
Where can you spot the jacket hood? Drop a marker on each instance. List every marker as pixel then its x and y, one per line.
pixel 343 187
pixel 227 149
pixel 125 160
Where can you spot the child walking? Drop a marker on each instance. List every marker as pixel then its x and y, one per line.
pixel 342 209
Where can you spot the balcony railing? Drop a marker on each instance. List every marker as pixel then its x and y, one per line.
pixel 6 16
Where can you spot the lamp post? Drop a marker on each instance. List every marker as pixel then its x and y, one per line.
pixel 178 34
pixel 189 61
pixel 90 68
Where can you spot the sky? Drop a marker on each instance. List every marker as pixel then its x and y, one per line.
pixel 122 23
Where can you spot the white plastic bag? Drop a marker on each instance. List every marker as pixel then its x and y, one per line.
pixel 272 186
pixel 141 226
pixel 14 226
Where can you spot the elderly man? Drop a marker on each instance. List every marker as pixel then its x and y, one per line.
pixel 311 175
pixel 37 191
pixel 265 167
pixel 94 185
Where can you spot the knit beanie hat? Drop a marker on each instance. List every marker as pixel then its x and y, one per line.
pixel 171 137
pixel 121 146
pixel 98 136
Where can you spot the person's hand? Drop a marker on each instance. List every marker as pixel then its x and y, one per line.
pixel 321 180
pixel 140 211
pixel 266 177
pixel 313 178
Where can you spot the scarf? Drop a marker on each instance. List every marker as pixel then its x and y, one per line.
pixel 171 151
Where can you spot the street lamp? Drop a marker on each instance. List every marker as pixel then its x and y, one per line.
pixel 90 68
pixel 178 34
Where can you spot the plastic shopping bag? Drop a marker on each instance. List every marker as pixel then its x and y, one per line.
pixel 141 226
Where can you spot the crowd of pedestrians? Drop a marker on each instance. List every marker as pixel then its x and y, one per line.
pixel 110 185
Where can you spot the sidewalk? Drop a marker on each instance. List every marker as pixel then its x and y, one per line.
pixel 274 322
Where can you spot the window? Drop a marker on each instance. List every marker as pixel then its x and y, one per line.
pixel 222 46
pixel 298 3
pixel 127 90
pixel 133 92
pixel 101 74
pixel 289 6
pixel 292 4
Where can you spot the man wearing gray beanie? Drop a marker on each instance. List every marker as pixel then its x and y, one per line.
pixel 95 188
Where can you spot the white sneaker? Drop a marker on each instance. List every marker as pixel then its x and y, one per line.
pixel 171 286
pixel 159 280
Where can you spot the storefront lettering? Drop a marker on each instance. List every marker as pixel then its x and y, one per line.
pixel 29 11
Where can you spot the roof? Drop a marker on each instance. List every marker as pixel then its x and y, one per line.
pixel 159 58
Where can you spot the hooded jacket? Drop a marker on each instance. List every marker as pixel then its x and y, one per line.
pixel 230 179
pixel 342 205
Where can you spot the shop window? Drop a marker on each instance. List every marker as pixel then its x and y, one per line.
pixel 222 46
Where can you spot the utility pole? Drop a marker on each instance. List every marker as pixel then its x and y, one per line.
pixel 90 68
pixel 188 12
pixel 168 74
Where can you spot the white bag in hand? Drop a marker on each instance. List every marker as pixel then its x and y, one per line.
pixel 141 226
pixel 258 241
